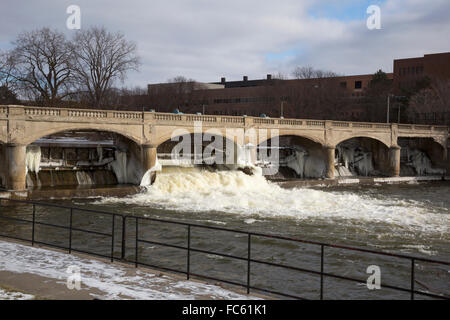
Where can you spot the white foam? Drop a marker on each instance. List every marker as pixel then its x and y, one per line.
pixel 233 192
pixel 146 179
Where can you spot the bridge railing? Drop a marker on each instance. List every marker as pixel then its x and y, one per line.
pixel 117 229
pixel 117 115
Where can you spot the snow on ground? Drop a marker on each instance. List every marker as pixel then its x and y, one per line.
pixel 12 295
pixel 113 280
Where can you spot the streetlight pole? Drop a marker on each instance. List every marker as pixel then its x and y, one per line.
pixel 281 111
pixel 387 114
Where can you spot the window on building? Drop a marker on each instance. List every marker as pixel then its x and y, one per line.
pixel 358 84
pixel 343 84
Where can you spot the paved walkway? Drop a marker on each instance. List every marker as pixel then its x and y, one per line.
pixel 44 274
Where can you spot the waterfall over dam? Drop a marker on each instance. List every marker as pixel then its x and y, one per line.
pixel 111 166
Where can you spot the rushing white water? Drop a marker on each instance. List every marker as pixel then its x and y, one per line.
pixel 84 178
pixel 233 192
pixel 147 178
pixel 244 155
pixel 33 158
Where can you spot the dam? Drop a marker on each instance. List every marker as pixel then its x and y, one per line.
pixel 48 147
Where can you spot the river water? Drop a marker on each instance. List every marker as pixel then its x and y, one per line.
pixel 412 219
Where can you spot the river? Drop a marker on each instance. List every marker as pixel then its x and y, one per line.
pixel 412 219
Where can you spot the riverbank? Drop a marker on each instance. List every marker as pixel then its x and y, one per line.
pixel 38 273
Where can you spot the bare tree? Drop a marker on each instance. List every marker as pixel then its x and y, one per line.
pixel 309 72
pixel 101 58
pixel 40 63
pixel 6 69
pixel 177 93
pixel 430 103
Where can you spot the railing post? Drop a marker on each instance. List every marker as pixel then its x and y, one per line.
pixel 32 227
pixel 136 249
pixel 70 231
pixel 123 237
pixel 321 271
pixel 189 252
pixel 249 250
pixel 412 278
pixel 112 237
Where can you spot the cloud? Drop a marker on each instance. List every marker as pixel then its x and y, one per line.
pixel 208 39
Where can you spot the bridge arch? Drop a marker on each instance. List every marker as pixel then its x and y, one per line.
pixel 363 155
pixel 383 140
pixel 34 134
pixel 230 156
pixel 297 155
pixel 423 156
pixel 312 138
pixel 164 135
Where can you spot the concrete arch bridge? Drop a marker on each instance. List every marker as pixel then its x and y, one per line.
pixel 20 126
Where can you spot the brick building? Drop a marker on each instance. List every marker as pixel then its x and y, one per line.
pixel 270 96
pixel 407 72
pixel 342 97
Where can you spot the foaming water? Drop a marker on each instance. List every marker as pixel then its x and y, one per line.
pixel 233 192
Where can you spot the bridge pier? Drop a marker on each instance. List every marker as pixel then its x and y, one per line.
pixel 149 156
pixel 394 161
pixel 330 155
pixel 16 170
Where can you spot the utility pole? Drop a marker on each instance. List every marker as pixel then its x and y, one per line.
pixel 388 102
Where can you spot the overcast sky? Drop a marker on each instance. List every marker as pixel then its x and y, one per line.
pixel 208 39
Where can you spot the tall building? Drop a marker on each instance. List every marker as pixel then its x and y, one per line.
pixel 270 96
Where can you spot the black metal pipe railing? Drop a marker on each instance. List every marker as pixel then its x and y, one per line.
pixel 190 249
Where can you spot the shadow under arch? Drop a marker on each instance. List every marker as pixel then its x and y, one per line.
pixel 297 156
pixel 92 156
pixel 225 150
pixel 385 143
pixel 364 155
pixel 79 127
pixel 416 150
pixel 307 137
